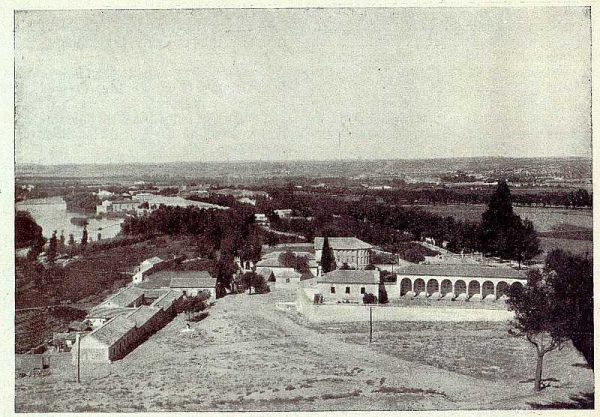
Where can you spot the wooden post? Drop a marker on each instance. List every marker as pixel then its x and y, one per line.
pixel 78 337
pixel 370 324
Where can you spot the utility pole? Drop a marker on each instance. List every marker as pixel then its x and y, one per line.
pixel 78 337
pixel 370 324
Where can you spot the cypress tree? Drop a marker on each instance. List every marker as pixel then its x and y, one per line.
pixel 327 258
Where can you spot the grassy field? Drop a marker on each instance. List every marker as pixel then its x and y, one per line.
pixel 544 219
pixel 247 355
pixel 558 228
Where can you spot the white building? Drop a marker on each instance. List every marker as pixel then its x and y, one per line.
pixel 462 282
pixel 346 250
pixel 348 284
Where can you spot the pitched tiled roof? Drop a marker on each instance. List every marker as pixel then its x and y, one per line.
pixel 113 330
pixel 192 279
pixel 340 276
pixel 463 270
pixel 342 243
pixel 107 312
pixel 265 272
pixel 288 274
pixel 126 297
pixel 142 315
pixel 167 300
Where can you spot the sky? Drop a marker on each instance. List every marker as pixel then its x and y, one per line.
pixel 301 84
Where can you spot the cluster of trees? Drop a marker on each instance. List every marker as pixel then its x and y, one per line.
pixel 81 201
pixel 250 280
pixel 192 305
pixel 501 232
pixel 291 260
pixel 219 234
pixel 505 234
pixel 27 232
pixel 556 306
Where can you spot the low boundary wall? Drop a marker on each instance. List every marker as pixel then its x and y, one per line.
pixel 353 312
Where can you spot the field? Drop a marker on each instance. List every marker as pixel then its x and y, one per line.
pixel 558 228
pixel 247 355
pixel 92 278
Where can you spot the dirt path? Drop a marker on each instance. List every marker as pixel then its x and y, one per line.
pixel 249 356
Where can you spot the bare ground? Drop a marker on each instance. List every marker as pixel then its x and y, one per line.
pixel 247 355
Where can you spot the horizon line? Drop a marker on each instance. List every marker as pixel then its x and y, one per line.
pixel 224 161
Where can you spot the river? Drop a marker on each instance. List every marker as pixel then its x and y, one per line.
pixel 51 213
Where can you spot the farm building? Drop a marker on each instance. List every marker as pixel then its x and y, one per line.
pixel 266 273
pixel 147 319
pixel 288 279
pixel 271 260
pixel 462 282
pixel 168 302
pixel 127 297
pixel 102 314
pixel 109 342
pixel 190 283
pixel 348 284
pixel 346 250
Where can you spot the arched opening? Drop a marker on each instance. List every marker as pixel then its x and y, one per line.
pixel 460 287
pixel 487 288
pixel 474 288
pixel 446 287
pixel 516 284
pixel 405 286
pixel 501 289
pixel 432 286
pixel 419 285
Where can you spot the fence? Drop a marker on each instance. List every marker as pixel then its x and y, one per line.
pixel 358 312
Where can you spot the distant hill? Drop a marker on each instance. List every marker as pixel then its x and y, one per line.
pixel 232 172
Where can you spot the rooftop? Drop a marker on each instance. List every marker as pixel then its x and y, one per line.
pixel 288 274
pixel 191 279
pixel 342 243
pixel 126 297
pixel 113 330
pixel 167 299
pixel 265 272
pixel 107 312
pixel 142 315
pixel 352 276
pixel 462 270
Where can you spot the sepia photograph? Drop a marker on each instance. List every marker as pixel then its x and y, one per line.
pixel 303 209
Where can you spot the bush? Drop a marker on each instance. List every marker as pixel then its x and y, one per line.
pixel 369 299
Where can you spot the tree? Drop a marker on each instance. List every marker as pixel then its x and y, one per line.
pixel 525 243
pixel 287 259
pixel 191 305
pixel 61 241
pixel 71 239
pixel 84 239
pixel 327 258
pixel 27 231
pixel 99 237
pixel 369 299
pixel 383 297
pixel 503 233
pixel 537 318
pixel 252 279
pixel 571 277
pixel 52 248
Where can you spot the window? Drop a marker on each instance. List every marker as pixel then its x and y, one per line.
pixel 362 290
pixel 287 280
pixel 333 290
pixel 347 290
